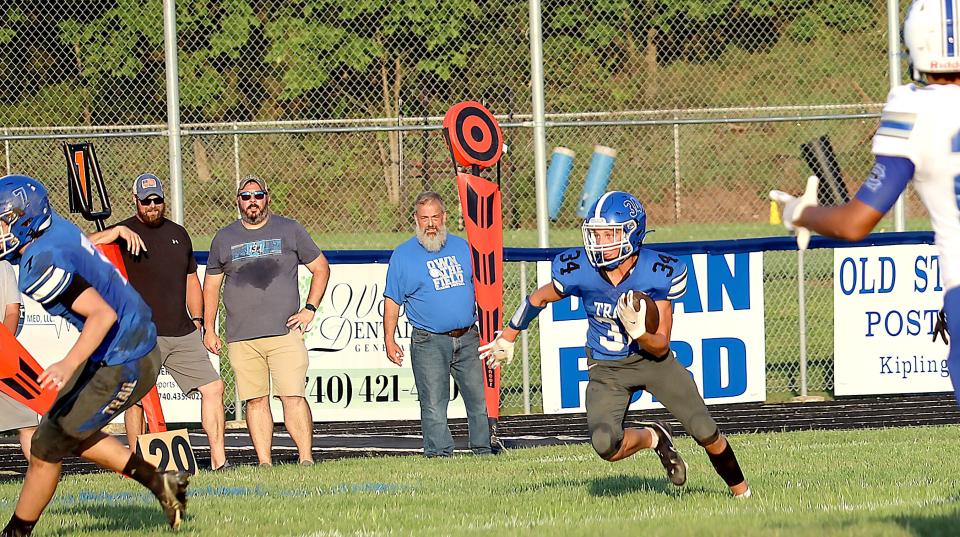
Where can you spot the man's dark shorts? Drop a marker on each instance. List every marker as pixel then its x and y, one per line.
pixel 92 398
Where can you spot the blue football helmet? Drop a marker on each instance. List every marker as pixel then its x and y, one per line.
pixel 24 212
pixel 617 221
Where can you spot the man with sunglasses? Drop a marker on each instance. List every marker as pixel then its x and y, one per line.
pixel 161 267
pixel 255 260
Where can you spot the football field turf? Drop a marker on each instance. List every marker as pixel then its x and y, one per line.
pixel 899 481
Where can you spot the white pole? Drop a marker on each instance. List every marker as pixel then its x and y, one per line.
pixel 539 126
pixel 893 48
pixel 173 106
pixel 524 345
pixel 802 299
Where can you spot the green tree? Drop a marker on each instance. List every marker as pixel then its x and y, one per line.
pixel 371 44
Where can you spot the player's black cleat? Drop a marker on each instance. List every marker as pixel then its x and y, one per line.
pixel 173 497
pixel 670 458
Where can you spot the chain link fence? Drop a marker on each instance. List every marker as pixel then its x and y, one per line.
pixel 338 105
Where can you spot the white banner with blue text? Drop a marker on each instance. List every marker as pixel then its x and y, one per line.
pixel 718 335
pixel 349 377
pixel 885 305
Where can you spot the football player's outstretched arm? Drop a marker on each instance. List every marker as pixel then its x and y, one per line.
pixel 539 300
pixel 99 318
pixel 852 221
pixel 500 350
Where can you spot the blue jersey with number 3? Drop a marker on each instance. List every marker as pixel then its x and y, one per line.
pixel 659 275
pixel 48 267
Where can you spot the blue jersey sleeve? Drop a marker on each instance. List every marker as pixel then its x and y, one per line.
pixel 669 277
pixel 41 279
pixel 887 180
pixel 567 271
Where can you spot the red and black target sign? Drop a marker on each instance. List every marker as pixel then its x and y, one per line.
pixel 473 134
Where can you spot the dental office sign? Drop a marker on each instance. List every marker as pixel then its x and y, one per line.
pixel 886 300
pixel 718 335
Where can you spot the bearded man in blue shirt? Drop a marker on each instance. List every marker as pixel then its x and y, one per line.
pixel 431 276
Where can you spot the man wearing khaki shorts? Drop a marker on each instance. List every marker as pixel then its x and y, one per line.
pixel 255 261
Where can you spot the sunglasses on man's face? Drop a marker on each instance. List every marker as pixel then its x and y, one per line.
pixel 151 201
pixel 257 195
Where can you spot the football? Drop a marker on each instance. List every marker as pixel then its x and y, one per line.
pixel 653 314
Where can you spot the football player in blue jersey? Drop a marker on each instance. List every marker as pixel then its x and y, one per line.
pixel 917 140
pixel 112 365
pixel 622 357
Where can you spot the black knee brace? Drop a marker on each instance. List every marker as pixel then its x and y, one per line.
pixel 726 465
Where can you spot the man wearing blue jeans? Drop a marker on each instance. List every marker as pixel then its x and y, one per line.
pixel 431 275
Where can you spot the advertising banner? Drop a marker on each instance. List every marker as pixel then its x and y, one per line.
pixel 885 305
pixel 349 377
pixel 718 334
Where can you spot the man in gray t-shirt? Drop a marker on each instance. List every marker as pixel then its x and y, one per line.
pixel 255 261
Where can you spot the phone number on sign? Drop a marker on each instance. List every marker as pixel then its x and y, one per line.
pixel 344 389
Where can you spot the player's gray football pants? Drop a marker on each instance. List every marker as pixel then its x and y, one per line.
pixel 612 382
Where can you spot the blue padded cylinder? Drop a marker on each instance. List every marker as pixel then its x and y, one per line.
pixel 598 176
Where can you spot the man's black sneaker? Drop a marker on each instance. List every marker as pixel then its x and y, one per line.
pixel 669 456
pixel 173 497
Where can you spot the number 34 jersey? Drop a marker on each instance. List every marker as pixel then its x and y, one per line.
pixel 659 275
pixel 922 124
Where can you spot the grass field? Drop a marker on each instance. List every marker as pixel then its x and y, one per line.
pixel 870 482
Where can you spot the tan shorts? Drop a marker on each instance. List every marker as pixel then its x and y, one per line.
pixel 280 359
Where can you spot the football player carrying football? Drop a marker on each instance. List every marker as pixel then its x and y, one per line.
pixel 112 365
pixel 622 357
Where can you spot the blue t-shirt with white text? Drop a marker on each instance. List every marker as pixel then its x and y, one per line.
pixel 436 288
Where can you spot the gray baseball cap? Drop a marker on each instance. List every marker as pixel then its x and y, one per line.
pixel 147 185
pixel 252 179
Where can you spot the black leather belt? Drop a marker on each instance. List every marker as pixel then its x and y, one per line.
pixel 457 332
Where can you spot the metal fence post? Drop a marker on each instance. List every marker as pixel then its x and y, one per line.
pixel 539 125
pixel 524 344
pixel 6 150
pixel 173 106
pixel 893 53
pixel 802 313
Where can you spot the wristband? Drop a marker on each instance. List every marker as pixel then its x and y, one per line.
pixel 526 313
pixel 310 307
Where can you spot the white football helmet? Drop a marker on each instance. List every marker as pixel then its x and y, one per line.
pixel 930 34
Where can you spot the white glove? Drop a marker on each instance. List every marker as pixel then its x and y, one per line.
pixel 793 206
pixel 497 351
pixel 635 321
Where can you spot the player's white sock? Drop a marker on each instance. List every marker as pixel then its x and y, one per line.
pixel 746 494
pixel 656 438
